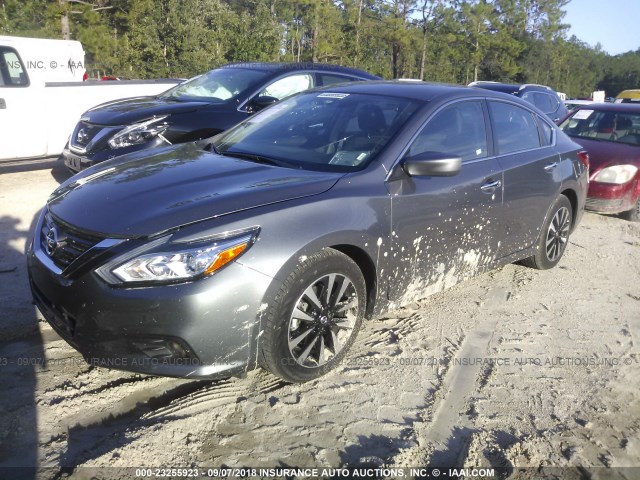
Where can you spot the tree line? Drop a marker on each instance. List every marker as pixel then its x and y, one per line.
pixel 453 41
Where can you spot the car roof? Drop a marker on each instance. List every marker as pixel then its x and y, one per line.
pixel 612 107
pixel 279 67
pixel 425 91
pixel 511 88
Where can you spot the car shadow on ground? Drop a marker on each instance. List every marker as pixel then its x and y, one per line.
pixel 22 345
pixel 60 173
pixel 21 356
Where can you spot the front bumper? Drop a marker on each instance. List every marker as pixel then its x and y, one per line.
pixel 203 329
pixel 77 161
pixel 612 198
pixel 73 162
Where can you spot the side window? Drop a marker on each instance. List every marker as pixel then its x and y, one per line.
pixel 458 130
pixel 287 86
pixel 514 128
pixel 540 100
pixel 546 132
pixel 12 71
pixel 329 79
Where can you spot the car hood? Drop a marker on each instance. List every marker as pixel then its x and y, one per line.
pixel 134 197
pixel 603 153
pixel 131 110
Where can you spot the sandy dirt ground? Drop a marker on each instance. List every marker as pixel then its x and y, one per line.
pixel 515 369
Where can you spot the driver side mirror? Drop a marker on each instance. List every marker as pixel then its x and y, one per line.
pixel 432 164
pixel 258 103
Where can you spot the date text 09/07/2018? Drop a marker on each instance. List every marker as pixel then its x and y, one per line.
pixel 314 472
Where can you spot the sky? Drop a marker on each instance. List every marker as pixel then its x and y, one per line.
pixel 613 23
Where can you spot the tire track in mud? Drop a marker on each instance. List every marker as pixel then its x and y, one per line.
pixel 446 427
pixel 225 392
pixel 146 409
pixel 450 431
pixel 118 416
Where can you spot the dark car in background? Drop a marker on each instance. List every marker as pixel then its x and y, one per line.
pixel 269 244
pixel 196 109
pixel 611 135
pixel 543 97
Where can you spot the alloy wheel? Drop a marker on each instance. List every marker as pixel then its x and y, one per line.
pixel 558 234
pixel 322 320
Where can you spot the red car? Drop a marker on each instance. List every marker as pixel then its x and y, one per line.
pixel 611 134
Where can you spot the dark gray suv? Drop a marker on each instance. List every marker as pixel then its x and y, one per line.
pixel 269 244
pixel 543 97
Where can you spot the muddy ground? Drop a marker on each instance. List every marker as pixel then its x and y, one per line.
pixel 516 368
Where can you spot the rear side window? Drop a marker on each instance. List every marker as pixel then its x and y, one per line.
pixel 544 101
pixel 12 71
pixel 458 130
pixel 329 79
pixel 515 129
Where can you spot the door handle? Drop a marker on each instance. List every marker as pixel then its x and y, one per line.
pixel 491 186
pixel 3 104
pixel 550 166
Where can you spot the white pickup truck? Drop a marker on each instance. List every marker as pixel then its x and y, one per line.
pixel 42 94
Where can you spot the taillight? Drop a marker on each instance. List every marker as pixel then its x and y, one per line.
pixel 583 156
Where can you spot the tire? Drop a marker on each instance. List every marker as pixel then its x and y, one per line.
pixel 554 236
pixel 306 332
pixel 632 215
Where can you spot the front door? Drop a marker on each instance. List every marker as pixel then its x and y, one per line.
pixel 443 228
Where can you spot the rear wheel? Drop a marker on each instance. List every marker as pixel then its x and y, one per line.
pixel 315 317
pixel 553 237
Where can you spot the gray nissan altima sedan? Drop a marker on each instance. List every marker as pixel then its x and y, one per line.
pixel 269 244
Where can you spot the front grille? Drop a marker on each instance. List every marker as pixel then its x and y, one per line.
pixel 63 243
pixel 83 134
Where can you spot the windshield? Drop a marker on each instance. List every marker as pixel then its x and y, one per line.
pixel 319 131
pixel 218 85
pixel 618 127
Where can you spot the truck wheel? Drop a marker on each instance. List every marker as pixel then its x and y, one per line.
pixel 554 236
pixel 314 318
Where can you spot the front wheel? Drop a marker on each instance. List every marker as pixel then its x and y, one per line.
pixel 553 237
pixel 314 318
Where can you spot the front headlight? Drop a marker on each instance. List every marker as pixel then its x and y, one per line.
pixel 181 264
pixel 617 174
pixel 139 133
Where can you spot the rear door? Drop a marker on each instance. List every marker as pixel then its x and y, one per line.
pixel 443 228
pixel 526 154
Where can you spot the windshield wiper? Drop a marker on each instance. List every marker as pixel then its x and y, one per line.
pixel 211 147
pixel 252 157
